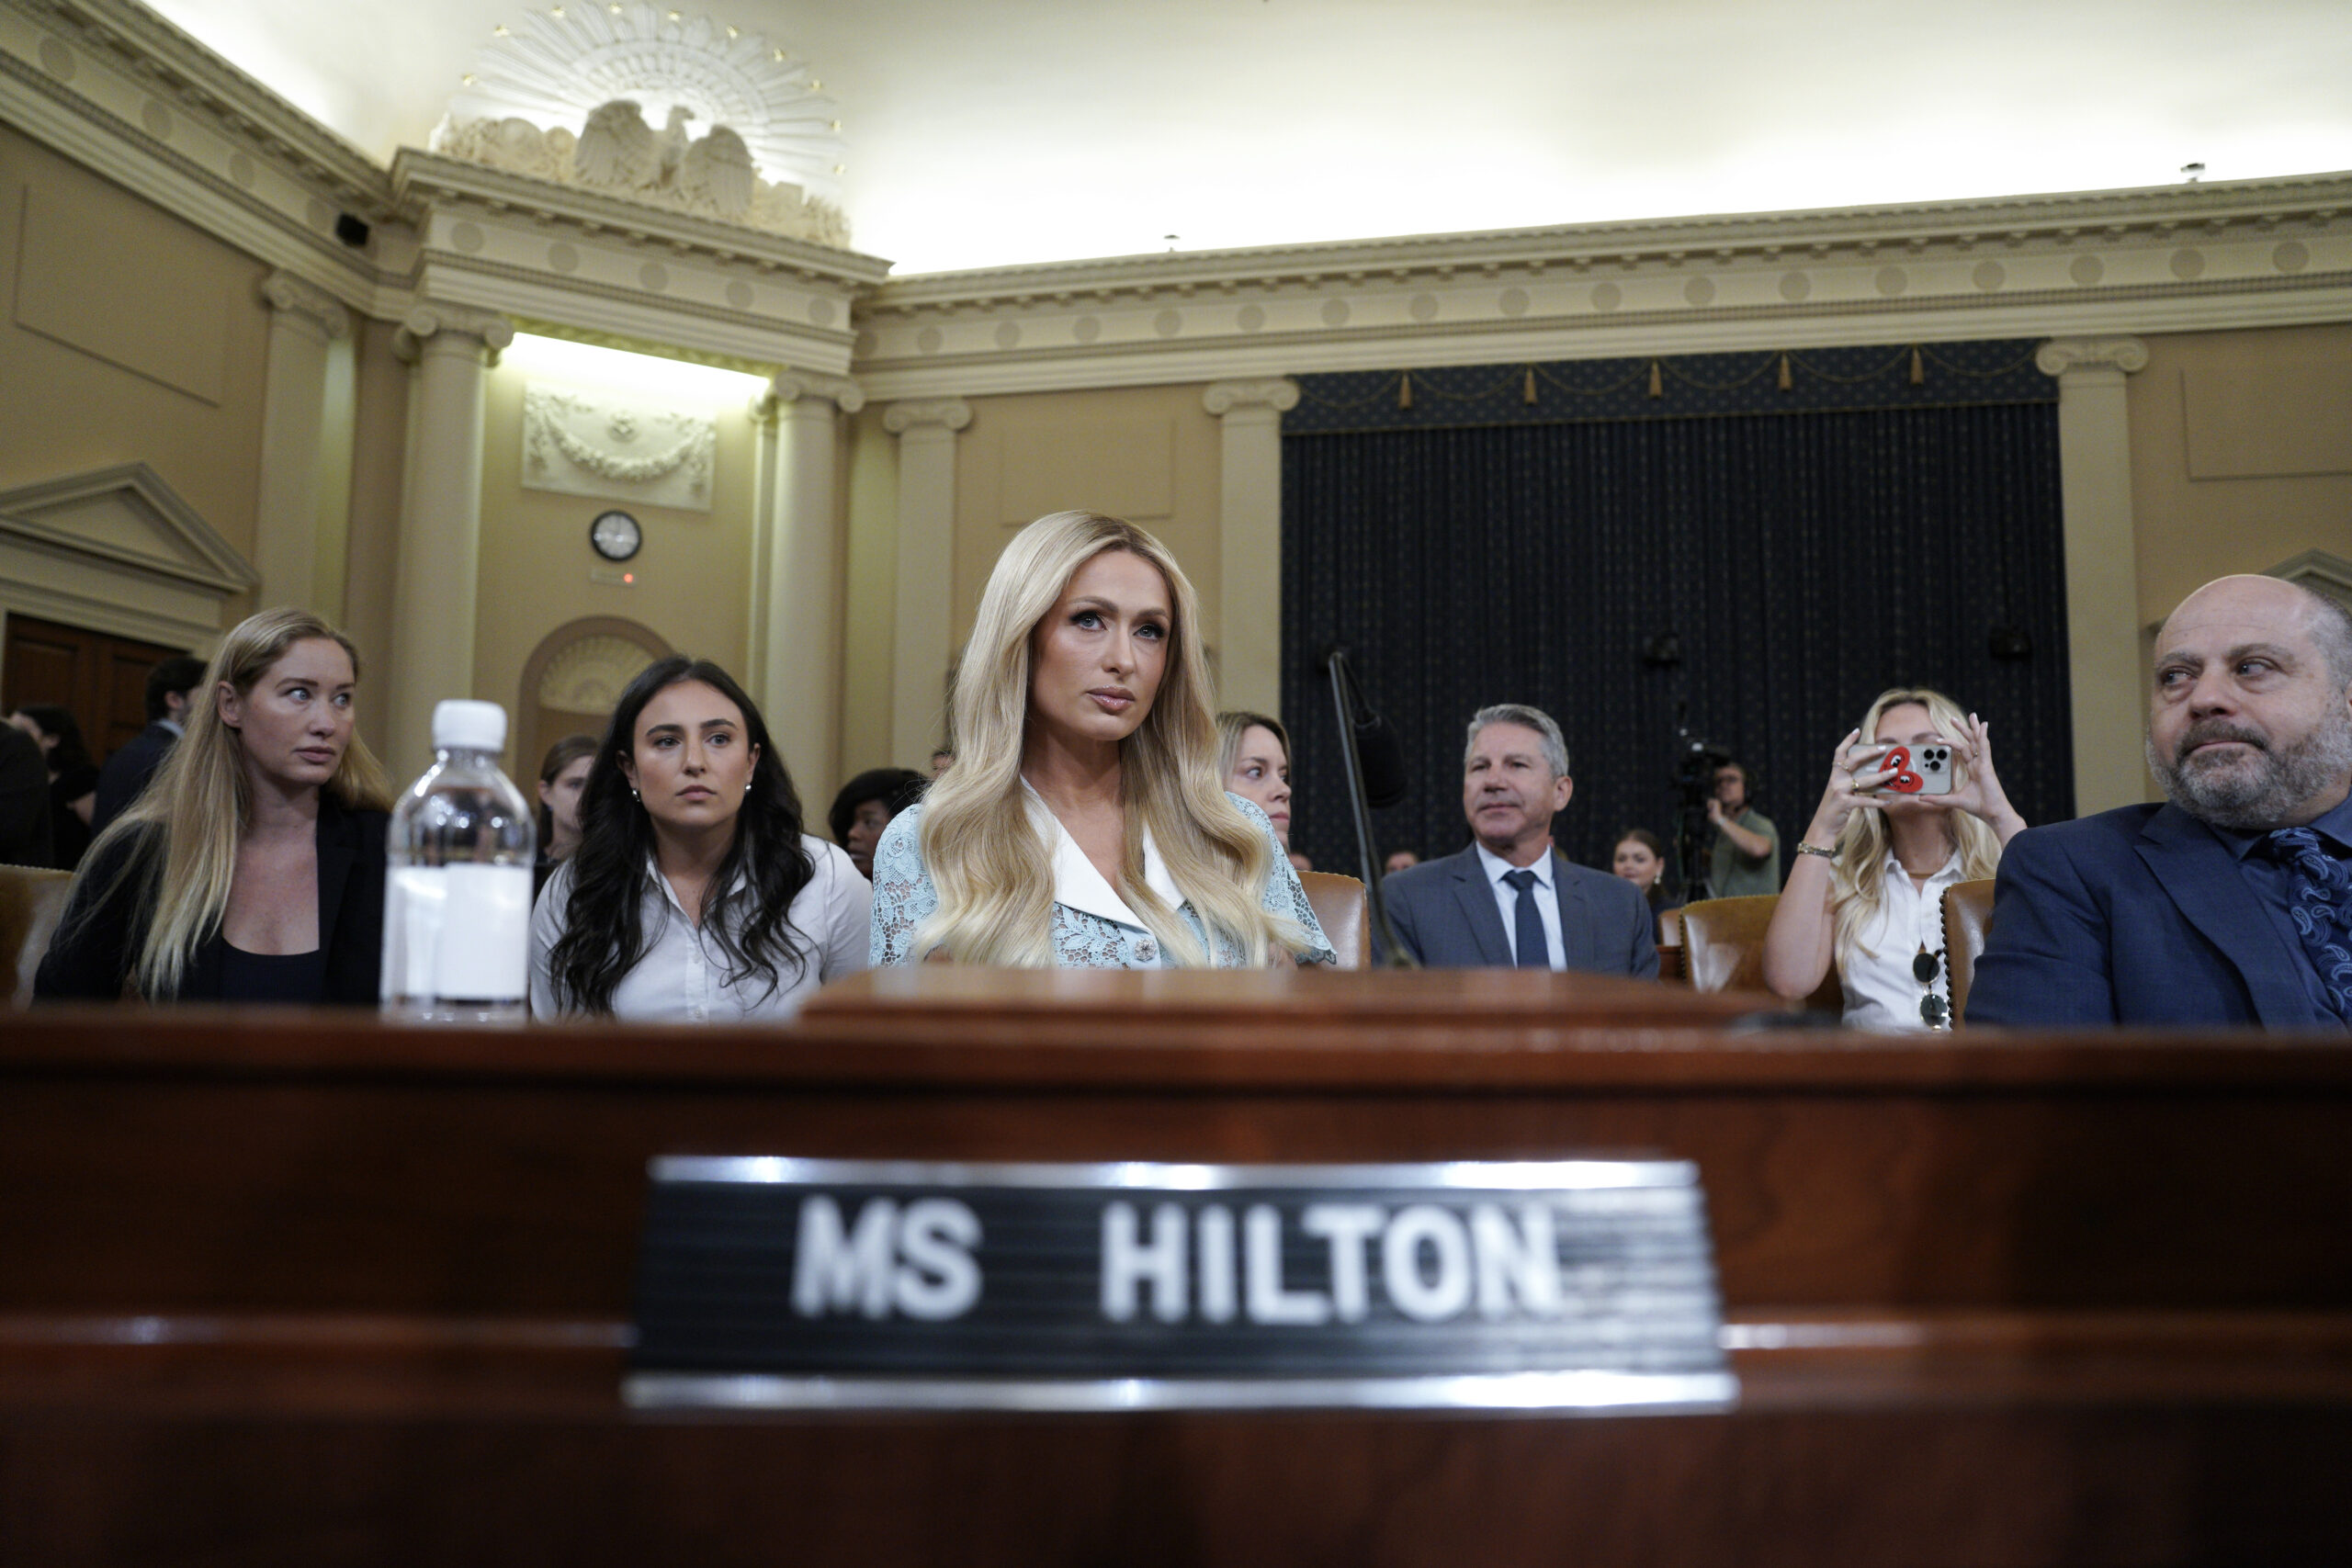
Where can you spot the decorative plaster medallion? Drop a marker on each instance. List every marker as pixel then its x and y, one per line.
pixel 1795 287
pixel 157 119
pixel 241 169
pixel 2188 265
pixel 2086 270
pixel 1989 275
pixel 581 443
pixel 1335 312
pixel 1700 291
pixel 1168 323
pixel 1423 308
pixel 563 257
pixel 822 312
pixel 467 237
pixel 568 97
pixel 1513 302
pixel 1892 281
pixel 589 676
pixel 1086 329
pixel 2291 256
pixel 739 294
pixel 56 60
pixel 654 275
pixel 927 340
pixel 1249 318
pixel 1607 297
pixel 1007 334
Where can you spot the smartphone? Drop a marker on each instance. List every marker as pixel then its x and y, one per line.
pixel 1924 770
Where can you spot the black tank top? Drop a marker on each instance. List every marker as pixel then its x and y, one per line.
pixel 296 977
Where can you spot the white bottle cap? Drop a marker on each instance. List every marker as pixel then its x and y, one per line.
pixel 459 725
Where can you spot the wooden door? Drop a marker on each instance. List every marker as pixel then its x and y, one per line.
pixel 101 680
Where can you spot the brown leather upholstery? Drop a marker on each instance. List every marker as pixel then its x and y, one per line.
pixel 1670 961
pixel 1968 915
pixel 31 897
pixel 1723 949
pixel 1338 904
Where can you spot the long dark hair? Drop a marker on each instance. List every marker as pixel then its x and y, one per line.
pixel 604 929
pixel 58 724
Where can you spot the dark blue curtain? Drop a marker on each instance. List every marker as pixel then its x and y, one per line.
pixel 1802 562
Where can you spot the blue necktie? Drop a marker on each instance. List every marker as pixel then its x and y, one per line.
pixel 2319 903
pixel 1535 952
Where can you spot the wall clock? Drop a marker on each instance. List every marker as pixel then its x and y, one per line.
pixel 616 536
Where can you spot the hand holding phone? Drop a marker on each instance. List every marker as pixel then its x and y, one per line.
pixel 1927 771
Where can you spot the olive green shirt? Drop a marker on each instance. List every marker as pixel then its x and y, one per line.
pixel 1731 875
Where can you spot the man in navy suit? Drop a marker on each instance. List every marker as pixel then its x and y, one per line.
pixel 171 687
pixel 2191 912
pixel 1510 899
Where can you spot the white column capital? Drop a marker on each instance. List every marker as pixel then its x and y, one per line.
pixel 2061 355
pixel 296 299
pixel 945 414
pixel 429 319
pixel 794 386
pixel 1222 397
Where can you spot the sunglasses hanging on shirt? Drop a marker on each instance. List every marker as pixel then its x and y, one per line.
pixel 1934 1011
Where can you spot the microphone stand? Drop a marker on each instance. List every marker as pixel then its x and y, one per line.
pixel 1347 701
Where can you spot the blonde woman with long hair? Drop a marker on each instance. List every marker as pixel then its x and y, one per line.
pixel 1083 823
pixel 1866 890
pixel 251 868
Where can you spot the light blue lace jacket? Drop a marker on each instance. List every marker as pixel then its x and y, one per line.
pixel 905 897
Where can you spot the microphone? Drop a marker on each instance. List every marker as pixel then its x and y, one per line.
pixel 1375 767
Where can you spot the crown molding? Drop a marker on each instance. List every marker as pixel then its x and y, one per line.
pixel 2257 252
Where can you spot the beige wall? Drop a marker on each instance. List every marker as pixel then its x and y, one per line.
pixel 129 336
pixel 692 573
pixel 1149 455
pixel 2241 455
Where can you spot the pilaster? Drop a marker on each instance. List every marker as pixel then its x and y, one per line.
pixel 302 512
pixel 798 575
pixel 1250 540
pixel 2102 565
pixel 923 642
pixel 434 586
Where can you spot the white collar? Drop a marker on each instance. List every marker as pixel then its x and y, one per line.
pixel 1076 881
pixel 1947 871
pixel 1498 868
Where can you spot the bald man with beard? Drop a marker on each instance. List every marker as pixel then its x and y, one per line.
pixel 2231 902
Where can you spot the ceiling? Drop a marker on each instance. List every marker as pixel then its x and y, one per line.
pixel 1036 130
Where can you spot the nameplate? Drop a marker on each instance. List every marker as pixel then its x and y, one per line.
pixel 1576 1285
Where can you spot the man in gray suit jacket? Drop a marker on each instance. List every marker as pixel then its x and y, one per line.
pixel 1510 899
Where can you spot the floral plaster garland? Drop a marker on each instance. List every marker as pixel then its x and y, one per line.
pixel 580 444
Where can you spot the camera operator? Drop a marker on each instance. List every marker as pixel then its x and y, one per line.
pixel 1745 857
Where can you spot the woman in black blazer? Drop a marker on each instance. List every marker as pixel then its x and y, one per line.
pixel 253 868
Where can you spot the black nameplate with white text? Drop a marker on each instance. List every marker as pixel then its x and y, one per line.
pixel 810 1284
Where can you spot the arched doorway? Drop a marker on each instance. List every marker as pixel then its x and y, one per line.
pixel 573 680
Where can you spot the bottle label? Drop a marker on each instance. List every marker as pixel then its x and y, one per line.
pixel 459 932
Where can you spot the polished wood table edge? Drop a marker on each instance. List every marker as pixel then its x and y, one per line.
pixel 367 1366
pixel 1086 1052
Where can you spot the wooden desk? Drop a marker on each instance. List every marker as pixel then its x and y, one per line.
pixel 311 1290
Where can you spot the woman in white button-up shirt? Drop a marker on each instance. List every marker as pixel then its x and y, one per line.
pixel 1866 890
pixel 693 894
pixel 1083 823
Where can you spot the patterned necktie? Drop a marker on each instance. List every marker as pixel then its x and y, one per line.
pixel 2319 903
pixel 1535 952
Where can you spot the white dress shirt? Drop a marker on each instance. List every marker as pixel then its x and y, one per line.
pixel 1547 901
pixel 1881 990
pixel 682 976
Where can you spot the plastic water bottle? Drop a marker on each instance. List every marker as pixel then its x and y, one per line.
pixel 458 892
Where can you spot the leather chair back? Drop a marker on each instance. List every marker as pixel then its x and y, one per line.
pixel 31 899
pixel 1968 916
pixel 1723 949
pixel 1338 903
pixel 1671 964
